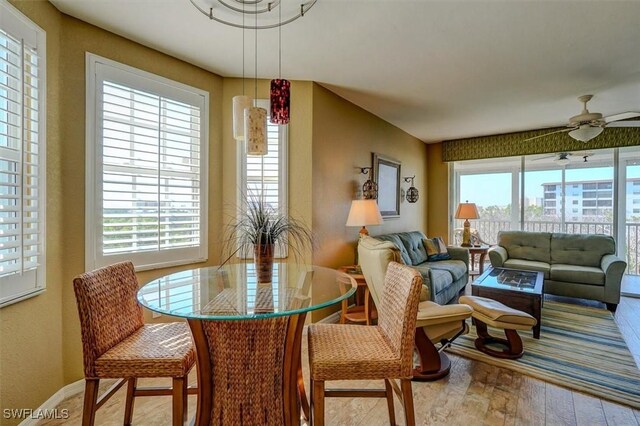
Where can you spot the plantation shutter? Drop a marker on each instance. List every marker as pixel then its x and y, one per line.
pixel 22 185
pixel 263 171
pixel 152 195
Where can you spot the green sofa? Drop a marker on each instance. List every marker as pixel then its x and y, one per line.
pixel 442 279
pixel 574 265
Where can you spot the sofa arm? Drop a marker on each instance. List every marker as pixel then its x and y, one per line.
pixel 459 253
pixel 613 268
pixel 498 255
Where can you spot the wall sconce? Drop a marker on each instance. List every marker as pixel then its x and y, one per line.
pixel 370 188
pixel 412 192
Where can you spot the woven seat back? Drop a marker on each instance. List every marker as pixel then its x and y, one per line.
pixel 398 311
pixel 108 309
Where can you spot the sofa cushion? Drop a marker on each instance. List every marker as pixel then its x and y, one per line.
pixel 526 245
pixel 528 265
pixel 456 268
pixel 436 249
pixel 410 245
pixel 412 241
pixel 582 250
pixel 577 274
pixel 440 279
pixel 395 239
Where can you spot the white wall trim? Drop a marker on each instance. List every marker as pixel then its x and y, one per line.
pixel 66 392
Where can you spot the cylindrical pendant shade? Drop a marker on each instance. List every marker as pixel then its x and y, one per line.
pixel 239 105
pixel 280 101
pixel 255 130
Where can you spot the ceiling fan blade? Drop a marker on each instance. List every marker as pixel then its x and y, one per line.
pixel 626 123
pixel 545 157
pixel 550 133
pixel 621 116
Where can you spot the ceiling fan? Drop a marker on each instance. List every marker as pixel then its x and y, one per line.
pixel 587 125
pixel 562 158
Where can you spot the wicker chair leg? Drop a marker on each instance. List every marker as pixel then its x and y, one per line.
pixel 318 403
pixel 407 398
pixel 128 407
pixel 389 390
pixel 90 401
pixel 179 396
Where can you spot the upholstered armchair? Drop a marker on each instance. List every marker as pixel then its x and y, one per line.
pixel 436 324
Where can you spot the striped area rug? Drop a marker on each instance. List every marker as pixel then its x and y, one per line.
pixel 580 348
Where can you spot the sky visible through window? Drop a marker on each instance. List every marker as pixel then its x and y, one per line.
pixel 494 189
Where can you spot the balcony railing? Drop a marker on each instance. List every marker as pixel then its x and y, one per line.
pixel 488 231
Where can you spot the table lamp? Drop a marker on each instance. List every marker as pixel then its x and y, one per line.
pixel 363 213
pixel 467 211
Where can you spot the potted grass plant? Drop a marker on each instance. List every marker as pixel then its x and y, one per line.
pixel 262 229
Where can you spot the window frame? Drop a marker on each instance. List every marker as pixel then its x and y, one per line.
pixel 18 25
pixel 152 83
pixel 283 173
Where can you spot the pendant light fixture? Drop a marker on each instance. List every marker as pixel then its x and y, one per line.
pixel 280 95
pixel 241 102
pixel 255 118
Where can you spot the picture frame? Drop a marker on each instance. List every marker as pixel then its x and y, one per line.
pixel 387 175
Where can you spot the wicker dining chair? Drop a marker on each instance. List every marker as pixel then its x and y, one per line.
pixel 117 344
pixel 380 352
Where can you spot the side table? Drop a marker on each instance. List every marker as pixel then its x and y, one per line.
pixel 477 250
pixel 364 310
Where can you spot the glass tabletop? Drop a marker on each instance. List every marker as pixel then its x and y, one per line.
pixel 232 292
pixel 511 279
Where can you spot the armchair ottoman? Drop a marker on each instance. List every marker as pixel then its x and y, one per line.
pixel 436 324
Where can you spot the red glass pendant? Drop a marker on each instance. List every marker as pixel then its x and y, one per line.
pixel 280 100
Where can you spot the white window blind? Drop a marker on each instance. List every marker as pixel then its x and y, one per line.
pixel 265 176
pixel 149 192
pixel 22 159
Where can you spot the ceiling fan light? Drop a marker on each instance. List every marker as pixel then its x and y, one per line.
pixel 562 161
pixel 585 133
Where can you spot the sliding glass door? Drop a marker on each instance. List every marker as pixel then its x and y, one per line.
pixel 491 187
pixel 582 192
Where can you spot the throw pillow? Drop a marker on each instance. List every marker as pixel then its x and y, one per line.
pixel 436 249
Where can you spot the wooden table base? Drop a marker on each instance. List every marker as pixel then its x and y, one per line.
pixel 249 371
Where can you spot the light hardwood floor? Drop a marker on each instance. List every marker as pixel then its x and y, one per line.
pixel 473 394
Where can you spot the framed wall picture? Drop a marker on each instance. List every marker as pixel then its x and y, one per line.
pixel 387 176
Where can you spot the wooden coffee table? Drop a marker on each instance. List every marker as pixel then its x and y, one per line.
pixel 522 290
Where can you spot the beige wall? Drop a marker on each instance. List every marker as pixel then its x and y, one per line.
pixel 344 136
pixel 437 193
pixel 31 331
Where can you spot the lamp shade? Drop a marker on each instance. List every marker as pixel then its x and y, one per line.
pixel 585 133
pixel 239 105
pixel 280 101
pixel 363 213
pixel 467 211
pixel 255 129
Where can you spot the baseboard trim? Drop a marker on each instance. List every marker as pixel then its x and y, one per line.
pixel 66 392
pixel 334 318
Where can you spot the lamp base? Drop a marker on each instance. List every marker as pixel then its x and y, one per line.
pixel 466 234
pixel 364 231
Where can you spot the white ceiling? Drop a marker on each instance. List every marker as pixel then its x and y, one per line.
pixel 436 69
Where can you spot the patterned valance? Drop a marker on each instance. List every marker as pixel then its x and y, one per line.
pixel 511 144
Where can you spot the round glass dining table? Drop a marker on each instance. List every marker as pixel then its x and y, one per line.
pixel 248 335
